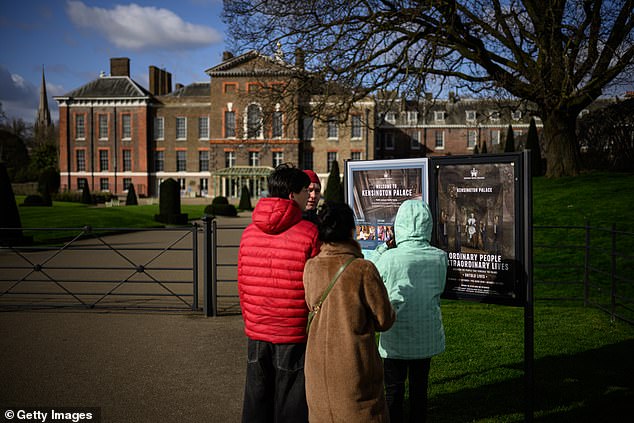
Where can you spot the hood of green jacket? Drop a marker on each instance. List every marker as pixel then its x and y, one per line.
pixel 413 222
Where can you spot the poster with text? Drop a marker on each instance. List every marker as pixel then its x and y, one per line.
pixel 477 225
pixel 375 190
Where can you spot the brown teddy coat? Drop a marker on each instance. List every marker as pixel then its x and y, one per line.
pixel 344 373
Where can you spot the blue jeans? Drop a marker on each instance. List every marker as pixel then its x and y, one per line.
pixel 274 390
pixel 395 373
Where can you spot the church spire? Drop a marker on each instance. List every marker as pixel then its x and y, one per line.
pixel 43 121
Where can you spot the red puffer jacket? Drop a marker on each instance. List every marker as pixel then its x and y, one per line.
pixel 271 258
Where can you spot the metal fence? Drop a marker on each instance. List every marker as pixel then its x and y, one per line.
pixel 103 268
pixel 170 268
pixel 592 265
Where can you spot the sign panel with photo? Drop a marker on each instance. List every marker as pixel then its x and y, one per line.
pixel 375 189
pixel 478 224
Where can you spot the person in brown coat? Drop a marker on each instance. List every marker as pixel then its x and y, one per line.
pixel 343 369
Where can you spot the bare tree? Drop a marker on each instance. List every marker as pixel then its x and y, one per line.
pixel 558 54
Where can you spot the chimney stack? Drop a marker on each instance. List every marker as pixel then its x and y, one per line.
pixel 160 81
pixel 120 66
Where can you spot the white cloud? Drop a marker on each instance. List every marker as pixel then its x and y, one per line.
pixel 20 98
pixel 137 28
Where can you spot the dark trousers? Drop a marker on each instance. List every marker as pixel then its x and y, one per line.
pixel 274 390
pixel 395 374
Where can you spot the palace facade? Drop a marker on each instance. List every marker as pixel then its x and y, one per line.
pixel 216 137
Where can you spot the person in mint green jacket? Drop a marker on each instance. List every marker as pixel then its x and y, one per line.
pixel 414 274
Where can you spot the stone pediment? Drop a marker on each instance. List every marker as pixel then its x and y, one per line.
pixel 251 64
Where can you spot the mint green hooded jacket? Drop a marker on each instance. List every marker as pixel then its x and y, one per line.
pixel 414 274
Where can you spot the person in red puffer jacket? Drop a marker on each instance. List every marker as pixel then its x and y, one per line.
pixel 273 251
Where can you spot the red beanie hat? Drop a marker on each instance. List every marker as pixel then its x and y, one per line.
pixel 313 177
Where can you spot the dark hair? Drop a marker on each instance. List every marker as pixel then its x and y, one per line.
pixel 285 179
pixel 336 222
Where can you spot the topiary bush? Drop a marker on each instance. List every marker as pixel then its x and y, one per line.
pixel 86 198
pixel 48 181
pixel 219 200
pixel 245 199
pixel 34 200
pixel 221 210
pixel 170 204
pixel 131 199
pixel 9 215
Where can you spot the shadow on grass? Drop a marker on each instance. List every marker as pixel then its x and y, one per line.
pixel 593 386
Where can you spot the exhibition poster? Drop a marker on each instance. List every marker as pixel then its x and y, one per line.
pixel 375 189
pixel 477 224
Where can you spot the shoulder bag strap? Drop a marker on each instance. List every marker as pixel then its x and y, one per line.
pixel 315 310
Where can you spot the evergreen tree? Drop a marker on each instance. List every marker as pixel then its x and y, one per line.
pixel 86 198
pixel 334 188
pixel 484 148
pixel 509 146
pixel 245 199
pixel 9 215
pixel 532 144
pixel 476 150
pixel 131 199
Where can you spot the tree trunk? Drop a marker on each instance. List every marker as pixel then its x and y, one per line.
pixel 560 144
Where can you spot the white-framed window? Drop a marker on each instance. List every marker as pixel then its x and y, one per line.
pixel 204 185
pixel 80 160
pixel 182 183
pixel 254 121
pixel 159 160
pixel 127 160
pixel 230 124
pixel 583 113
pixel 181 127
pixel 517 133
pixel 439 140
pixel 126 126
pixel 516 115
pixel 103 160
pixel 277 125
pixel 440 115
pixel 308 128
pixel 230 158
pixel 81 183
pixel 254 158
pixel 203 128
pixel 388 141
pixel 495 136
pixel 415 140
pixel 333 128
pixel 412 117
pixel 278 158
pixel 390 117
pixel 159 128
pixel 80 127
pixel 355 155
pixel 331 157
pixel 472 139
pixel 471 115
pixel 355 121
pixel 494 116
pixel 181 160
pixel 203 160
pixel 104 184
pixel 103 127
pixel 126 183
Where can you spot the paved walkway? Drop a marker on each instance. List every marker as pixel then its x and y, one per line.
pixel 136 366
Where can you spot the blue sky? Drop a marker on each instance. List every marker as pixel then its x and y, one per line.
pixel 74 40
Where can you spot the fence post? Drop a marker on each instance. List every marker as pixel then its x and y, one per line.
pixel 586 268
pixel 613 275
pixel 195 265
pixel 209 267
